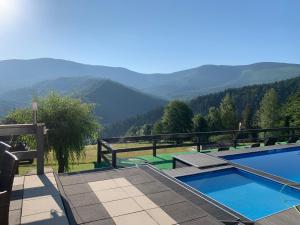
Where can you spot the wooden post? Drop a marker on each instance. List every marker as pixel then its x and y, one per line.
pixel 40 147
pixel 198 144
pixel 99 151
pixel 154 148
pixel 114 159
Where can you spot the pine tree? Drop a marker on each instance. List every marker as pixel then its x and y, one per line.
pixel 227 113
pixel 268 113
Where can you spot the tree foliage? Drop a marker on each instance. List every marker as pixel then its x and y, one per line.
pixel 227 113
pixel 177 118
pixel 70 124
pixel 213 119
pixel 268 113
pixel 292 110
pixel 199 123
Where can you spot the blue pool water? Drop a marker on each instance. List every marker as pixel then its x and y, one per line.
pixel 250 195
pixel 283 163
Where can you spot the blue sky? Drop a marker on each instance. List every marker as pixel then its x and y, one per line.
pixel 152 35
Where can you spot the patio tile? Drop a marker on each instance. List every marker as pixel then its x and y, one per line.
pixel 165 198
pixel 102 222
pixel 34 181
pixel 205 220
pixel 18 180
pixel 132 191
pixel 92 213
pixel 122 182
pixel 95 176
pixel 150 188
pixel 138 218
pixel 70 180
pixel 121 207
pixel 145 202
pixel 41 204
pixel 83 199
pixel 183 211
pixel 45 218
pixel 111 194
pixel 161 217
pixel 77 189
pixel 139 179
pixel 15 217
pixel 102 185
pixel 15 204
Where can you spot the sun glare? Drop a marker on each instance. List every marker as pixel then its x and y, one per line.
pixel 8 11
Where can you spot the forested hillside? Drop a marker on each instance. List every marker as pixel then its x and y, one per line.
pixel 249 96
pixel 112 101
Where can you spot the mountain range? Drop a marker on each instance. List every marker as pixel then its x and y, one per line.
pixel 182 84
pixel 112 101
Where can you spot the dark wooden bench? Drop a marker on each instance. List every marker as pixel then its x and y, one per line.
pixel 8 167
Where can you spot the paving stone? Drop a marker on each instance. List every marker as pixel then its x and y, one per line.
pixel 95 176
pixel 165 198
pixel 71 179
pixel 205 220
pixel 145 202
pixel 83 199
pixel 161 217
pixel 102 185
pixel 15 217
pixel 92 213
pixel 18 180
pixel 121 207
pixel 111 194
pixel 132 191
pixel 77 189
pixel 41 204
pixel 122 182
pixel 15 204
pixel 183 211
pixel 46 218
pixel 138 218
pixel 150 188
pixel 102 222
pixel 139 179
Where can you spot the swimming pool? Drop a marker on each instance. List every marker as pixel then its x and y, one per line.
pixel 250 195
pixel 280 162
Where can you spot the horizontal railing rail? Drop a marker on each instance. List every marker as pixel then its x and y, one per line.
pixel 38 130
pixel 198 139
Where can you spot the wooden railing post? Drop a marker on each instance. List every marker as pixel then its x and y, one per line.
pixel 99 151
pixel 40 129
pixel 198 144
pixel 114 159
pixel 154 148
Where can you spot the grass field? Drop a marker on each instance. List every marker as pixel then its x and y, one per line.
pixel 86 162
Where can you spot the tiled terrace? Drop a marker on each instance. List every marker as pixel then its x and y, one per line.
pixel 36 201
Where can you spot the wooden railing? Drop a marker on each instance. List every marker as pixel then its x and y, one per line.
pixel 38 130
pixel 198 139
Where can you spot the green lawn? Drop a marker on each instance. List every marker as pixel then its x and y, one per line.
pixel 163 160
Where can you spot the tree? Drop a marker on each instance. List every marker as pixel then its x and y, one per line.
pixel 268 112
pixel 199 123
pixel 247 117
pixel 177 118
pixel 70 124
pixel 157 127
pixel 228 113
pixel 292 110
pixel 132 131
pixel 213 119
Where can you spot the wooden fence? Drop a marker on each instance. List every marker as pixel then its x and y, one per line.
pixel 38 130
pixel 199 139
